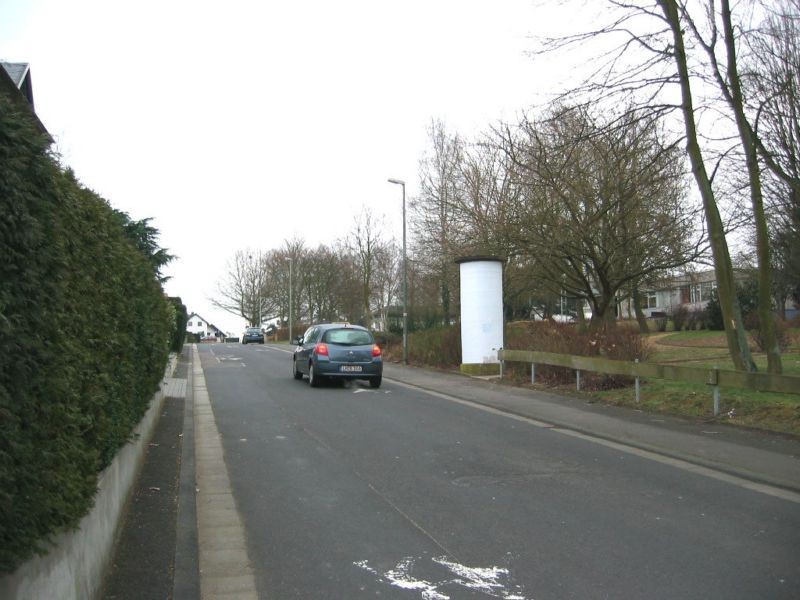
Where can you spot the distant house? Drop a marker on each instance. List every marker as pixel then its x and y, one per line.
pixel 15 82
pixel 690 290
pixel 198 325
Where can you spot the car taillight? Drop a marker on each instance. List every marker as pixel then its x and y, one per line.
pixel 321 349
pixel 376 350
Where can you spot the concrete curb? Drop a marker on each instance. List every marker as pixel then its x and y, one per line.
pixel 75 566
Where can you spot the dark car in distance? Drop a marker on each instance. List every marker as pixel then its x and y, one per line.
pixel 253 335
pixel 337 351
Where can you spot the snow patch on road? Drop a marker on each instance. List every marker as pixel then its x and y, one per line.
pixel 493 582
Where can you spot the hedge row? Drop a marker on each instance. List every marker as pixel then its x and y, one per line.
pixel 84 336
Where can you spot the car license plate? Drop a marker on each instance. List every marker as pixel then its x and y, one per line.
pixel 350 369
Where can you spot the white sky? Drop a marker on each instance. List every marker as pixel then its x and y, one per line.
pixel 240 124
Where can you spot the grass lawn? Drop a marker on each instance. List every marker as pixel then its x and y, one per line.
pixel 776 412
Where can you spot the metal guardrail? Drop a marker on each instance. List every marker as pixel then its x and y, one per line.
pixel 763 382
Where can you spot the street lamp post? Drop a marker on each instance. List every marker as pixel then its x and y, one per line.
pixel 255 296
pixel 290 300
pixel 405 274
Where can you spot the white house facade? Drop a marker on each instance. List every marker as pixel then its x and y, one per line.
pixel 691 291
pixel 198 325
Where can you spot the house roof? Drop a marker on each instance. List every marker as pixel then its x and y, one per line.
pixel 15 81
pixel 17 72
pixel 210 324
pixel 194 314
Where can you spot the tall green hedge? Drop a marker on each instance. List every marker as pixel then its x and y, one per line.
pixel 84 336
pixel 179 328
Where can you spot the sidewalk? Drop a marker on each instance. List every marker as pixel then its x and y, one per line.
pixel 760 457
pixel 155 556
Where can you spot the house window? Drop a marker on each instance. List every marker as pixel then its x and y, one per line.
pixel 652 300
pixel 701 292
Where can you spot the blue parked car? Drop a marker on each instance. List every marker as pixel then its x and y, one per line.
pixel 337 351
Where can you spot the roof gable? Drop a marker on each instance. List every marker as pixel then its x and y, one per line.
pixel 15 81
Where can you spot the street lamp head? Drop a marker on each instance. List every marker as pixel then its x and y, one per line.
pixel 397 181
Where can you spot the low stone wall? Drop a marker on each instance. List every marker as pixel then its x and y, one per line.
pixel 75 566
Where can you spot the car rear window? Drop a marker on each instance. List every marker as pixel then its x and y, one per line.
pixel 347 337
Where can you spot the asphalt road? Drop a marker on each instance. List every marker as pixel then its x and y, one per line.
pixel 348 492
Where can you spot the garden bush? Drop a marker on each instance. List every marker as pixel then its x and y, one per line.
pixel 696 320
pixel 84 338
pixel 179 320
pixel 558 338
pixel 782 333
pixel 680 318
pixel 435 347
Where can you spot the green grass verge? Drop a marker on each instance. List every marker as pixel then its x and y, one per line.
pixel 700 349
pixel 763 410
pixel 775 412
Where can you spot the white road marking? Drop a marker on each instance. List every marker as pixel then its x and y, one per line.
pixel 490 581
pixel 280 350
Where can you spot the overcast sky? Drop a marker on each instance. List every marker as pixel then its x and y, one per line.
pixel 240 124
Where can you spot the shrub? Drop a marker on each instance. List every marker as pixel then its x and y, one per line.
pixel 680 318
pixel 84 337
pixel 713 313
pixel 746 294
pixel 436 347
pixel 782 333
pixel 180 317
pixel 696 319
pixel 546 336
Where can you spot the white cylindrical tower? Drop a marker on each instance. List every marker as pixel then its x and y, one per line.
pixel 481 313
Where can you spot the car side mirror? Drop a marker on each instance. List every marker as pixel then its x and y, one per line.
pixel 297 340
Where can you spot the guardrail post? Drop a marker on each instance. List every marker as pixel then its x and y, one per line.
pixel 533 372
pixel 578 379
pixel 713 380
pixel 637 383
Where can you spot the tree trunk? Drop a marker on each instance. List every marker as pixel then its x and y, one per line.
pixel 365 299
pixel 604 317
pixel 723 269
pixel 581 317
pixel 637 308
pixel 765 317
pixel 445 289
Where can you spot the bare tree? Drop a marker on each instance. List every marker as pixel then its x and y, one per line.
pixel 323 270
pixel 365 244
pixel 287 267
pixel 387 277
pixel 773 83
pixel 245 290
pixel 656 57
pixel 483 220
pixel 432 209
pixel 723 64
pixel 604 207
